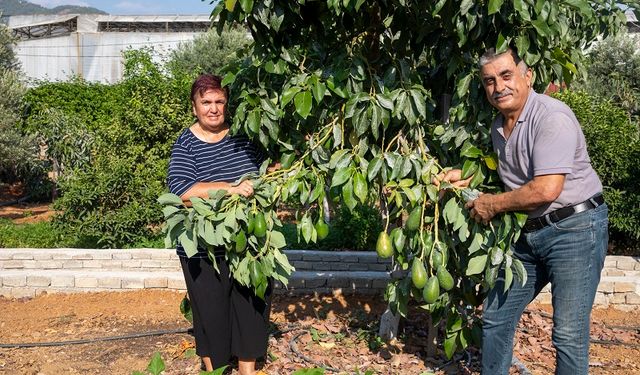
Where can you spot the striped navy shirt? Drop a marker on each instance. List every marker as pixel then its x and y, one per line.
pixel 193 160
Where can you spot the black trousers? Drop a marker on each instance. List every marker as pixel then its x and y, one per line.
pixel 228 318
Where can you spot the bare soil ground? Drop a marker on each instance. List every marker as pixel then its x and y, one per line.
pixel 333 331
pixel 336 332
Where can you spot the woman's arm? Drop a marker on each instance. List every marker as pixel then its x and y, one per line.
pixel 201 189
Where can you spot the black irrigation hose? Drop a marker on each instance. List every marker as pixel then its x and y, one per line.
pixel 121 337
pixel 97 339
pixel 11 203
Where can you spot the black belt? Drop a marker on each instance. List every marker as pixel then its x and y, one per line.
pixel 540 222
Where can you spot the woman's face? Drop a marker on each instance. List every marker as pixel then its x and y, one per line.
pixel 209 108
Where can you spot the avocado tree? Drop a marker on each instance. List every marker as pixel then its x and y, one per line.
pixel 365 102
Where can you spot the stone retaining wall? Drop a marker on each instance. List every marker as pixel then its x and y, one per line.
pixel 28 272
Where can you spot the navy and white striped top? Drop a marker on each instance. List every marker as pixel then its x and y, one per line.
pixel 193 160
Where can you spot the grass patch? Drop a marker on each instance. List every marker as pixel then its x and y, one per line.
pixel 36 235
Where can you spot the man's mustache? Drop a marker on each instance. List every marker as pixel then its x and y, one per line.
pixel 499 95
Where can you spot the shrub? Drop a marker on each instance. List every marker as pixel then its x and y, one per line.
pixel 115 154
pixel 614 148
pixel 111 204
pixel 357 229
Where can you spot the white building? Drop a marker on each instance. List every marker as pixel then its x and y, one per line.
pixel 55 48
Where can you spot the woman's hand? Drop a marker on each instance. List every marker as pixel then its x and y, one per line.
pixel 274 167
pixel 245 188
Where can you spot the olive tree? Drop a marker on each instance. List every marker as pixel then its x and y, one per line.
pixel 18 153
pixel 365 102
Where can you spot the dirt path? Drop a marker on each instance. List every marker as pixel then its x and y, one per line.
pixel 338 332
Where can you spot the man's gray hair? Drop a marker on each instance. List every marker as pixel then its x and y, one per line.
pixel 490 55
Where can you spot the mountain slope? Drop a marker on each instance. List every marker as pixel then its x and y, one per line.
pixel 21 7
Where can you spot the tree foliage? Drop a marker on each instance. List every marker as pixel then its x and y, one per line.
pixel 111 144
pixel 613 141
pixel 18 152
pixel 209 52
pixel 613 72
pixel 373 99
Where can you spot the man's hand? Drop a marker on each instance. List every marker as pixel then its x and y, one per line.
pixel 454 177
pixel 482 209
pixel 245 188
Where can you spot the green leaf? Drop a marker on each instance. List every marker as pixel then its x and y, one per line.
pixel 419 102
pixel 522 9
pixel 475 243
pixel 246 5
pixel 309 371
pixel 502 43
pixel 385 102
pixel 253 120
pixel 230 4
pixel 374 168
pixel 169 210
pixel 470 151
pixel 303 103
pixel 450 345
pixel 494 6
pixel 188 242
pixel 463 85
pixel 341 176
pixel 360 187
pixel 289 94
pixel 497 256
pixel 542 27
pixel 170 199
pixel 508 278
pixel 521 272
pixel 347 195
pixel 228 79
pixel 156 365
pixel 469 168
pixel 319 89
pixel 277 239
pixel 476 265
pixel 451 211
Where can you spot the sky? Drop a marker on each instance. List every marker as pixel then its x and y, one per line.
pixel 137 7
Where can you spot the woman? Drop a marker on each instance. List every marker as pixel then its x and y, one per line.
pixel 228 319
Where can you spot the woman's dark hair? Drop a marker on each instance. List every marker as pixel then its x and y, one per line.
pixel 206 82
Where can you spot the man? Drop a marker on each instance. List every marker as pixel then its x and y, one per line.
pixel 544 165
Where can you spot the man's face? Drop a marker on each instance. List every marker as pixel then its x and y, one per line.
pixel 507 87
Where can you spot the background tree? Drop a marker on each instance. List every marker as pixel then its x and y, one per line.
pixel 18 152
pixel 613 72
pixel 372 99
pixel 209 52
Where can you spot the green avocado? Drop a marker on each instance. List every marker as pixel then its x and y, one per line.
pixel 384 248
pixel 418 273
pixel 431 291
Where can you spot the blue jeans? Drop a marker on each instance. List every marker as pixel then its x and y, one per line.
pixel 570 255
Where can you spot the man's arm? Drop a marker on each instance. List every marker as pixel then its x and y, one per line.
pixel 537 192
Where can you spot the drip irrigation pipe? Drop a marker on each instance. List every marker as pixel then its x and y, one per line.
pixel 121 337
pixel 11 203
pixel 97 339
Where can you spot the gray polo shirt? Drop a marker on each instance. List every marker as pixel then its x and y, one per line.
pixel 547 139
